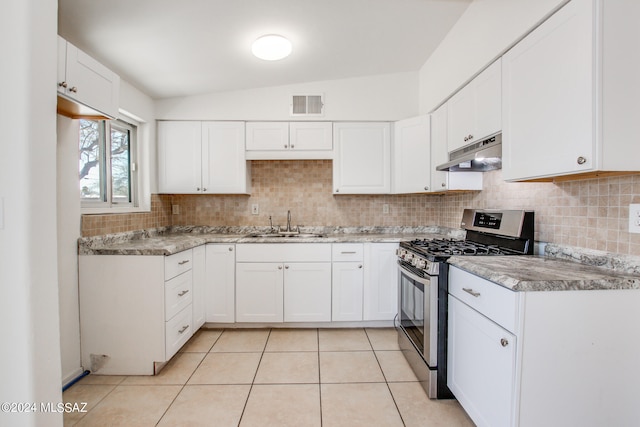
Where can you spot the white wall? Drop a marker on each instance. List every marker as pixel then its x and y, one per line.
pixel 133 104
pixel 30 356
pixel 68 195
pixel 485 31
pixel 381 97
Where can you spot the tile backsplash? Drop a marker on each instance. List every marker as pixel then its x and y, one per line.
pixel 590 213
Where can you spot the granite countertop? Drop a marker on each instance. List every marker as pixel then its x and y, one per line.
pixel 547 273
pixel 171 240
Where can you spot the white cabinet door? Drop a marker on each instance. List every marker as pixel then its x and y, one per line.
pixel 412 156
pixel 87 81
pixel 219 293
pixel 362 158
pixel 442 180
pixel 481 359
pixel 307 292
pixel 199 272
pixel 259 292
pixel 267 135
pixel 307 136
pixel 475 112
pixel 380 296
pixel 439 148
pixel 224 167
pixel 347 291
pixel 548 97
pixel 179 157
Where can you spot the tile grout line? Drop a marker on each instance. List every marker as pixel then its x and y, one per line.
pixel 246 402
pixel 185 383
pixel 319 374
pixel 385 378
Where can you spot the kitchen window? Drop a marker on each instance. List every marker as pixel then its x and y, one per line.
pixel 107 168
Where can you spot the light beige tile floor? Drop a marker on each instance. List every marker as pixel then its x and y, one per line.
pixel 270 377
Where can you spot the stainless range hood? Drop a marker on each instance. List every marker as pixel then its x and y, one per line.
pixel 481 156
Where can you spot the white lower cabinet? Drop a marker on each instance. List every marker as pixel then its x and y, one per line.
pixel 481 371
pixel 530 359
pixel 307 292
pixel 199 286
pixel 220 283
pixel 347 288
pixel 135 311
pixel 380 291
pixel 259 292
pixel 291 284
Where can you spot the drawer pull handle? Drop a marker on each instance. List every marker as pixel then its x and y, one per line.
pixel 184 328
pixel 348 252
pixel 472 292
pixel 186 291
pixel 504 342
pixel 183 262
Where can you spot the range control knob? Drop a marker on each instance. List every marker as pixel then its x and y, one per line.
pixel 421 264
pixel 414 261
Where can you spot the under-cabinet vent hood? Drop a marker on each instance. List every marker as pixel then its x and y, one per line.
pixel 480 156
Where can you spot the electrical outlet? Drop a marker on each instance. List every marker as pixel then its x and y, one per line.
pixel 175 209
pixel 634 218
pixel 255 209
pixel 385 208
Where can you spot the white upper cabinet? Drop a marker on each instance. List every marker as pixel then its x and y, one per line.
pixel 202 158
pixel 475 111
pixel 94 88
pixel 267 136
pixel 362 158
pixel 570 91
pixel 179 157
pixel 443 180
pixel 411 152
pixel 289 140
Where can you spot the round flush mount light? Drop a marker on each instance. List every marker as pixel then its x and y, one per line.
pixel 271 47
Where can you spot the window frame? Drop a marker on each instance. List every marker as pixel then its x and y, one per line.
pixel 107 204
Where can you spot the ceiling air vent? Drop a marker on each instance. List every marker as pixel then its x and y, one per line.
pixel 307 105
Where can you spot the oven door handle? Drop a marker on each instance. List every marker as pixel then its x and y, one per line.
pixel 423 280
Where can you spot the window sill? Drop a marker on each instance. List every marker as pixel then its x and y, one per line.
pixel 118 210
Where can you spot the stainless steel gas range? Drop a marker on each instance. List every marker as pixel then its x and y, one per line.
pixel 423 275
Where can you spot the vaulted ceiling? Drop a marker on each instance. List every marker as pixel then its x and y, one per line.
pixel 170 48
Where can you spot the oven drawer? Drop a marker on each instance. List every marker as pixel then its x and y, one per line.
pixel 490 299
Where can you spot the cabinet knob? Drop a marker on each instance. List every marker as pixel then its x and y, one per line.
pixel 360 266
pixel 286 146
pixel 292 145
pixel 581 160
pixel 286 266
pixel 63 84
pixel 230 249
pixel 426 187
pixel 444 184
pixel 337 190
pixel 73 89
pixel 504 342
pixel 197 188
pixel 279 267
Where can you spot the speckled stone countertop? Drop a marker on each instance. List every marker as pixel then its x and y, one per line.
pixel 171 240
pixel 562 268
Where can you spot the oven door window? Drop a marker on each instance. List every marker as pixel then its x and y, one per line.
pixel 412 309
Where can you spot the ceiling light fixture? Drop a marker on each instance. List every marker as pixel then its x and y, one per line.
pixel 271 47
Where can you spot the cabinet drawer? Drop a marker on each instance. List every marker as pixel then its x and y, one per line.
pixel 177 294
pixel 492 300
pixel 177 331
pixel 347 252
pixel 177 264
